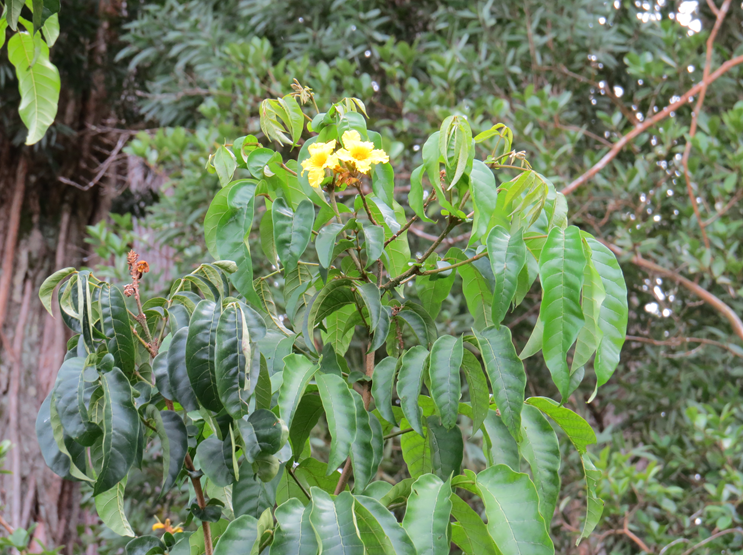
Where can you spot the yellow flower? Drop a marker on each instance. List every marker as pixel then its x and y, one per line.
pixel 166 526
pixel 361 153
pixel 321 157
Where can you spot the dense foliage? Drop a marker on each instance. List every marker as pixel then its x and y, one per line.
pixel 233 388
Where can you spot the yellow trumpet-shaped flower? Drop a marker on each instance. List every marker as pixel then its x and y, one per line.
pixel 321 158
pixel 361 154
pixel 166 526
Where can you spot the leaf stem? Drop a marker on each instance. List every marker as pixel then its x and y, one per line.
pixel 397 433
pixel 291 473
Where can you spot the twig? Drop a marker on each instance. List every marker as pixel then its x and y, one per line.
pixel 664 113
pixel 291 473
pixel 712 538
pixel 397 433
pixel 732 202
pixel 345 477
pixel 677 342
pixel 462 263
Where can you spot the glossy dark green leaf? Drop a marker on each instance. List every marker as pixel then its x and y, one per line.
pixel 335 295
pixel 507 254
pixel 340 411
pixel 174 442
pixel 292 230
pixel 200 354
pixel 310 473
pixel 160 371
pixel 325 243
pixel 250 495
pixel 362 448
pixel 512 510
pixel 144 545
pixel 371 297
pixel 379 530
pixel 447 448
pixel 540 448
pixel 177 374
pixel 383 329
pixel 295 535
pixel 215 458
pixel 470 533
pixel 415 199
pixel 484 193
pixel 270 431
pixel 501 447
pixel 477 290
pixel 75 453
pixel 333 522
pixel 263 395
pixel 232 356
pixel 383 382
pixel 431 331
pixel 373 243
pixel 614 311
pixel 478 388
pixel 446 385
pixel 506 373
pixel 577 429
pixel 239 537
pixel 298 370
pixel 57 461
pixel 561 272
pixel 409 383
pixel 266 232
pixel 71 395
pixel 120 430
pixel 110 508
pixel 308 413
pixel 416 451
pixel 427 515
pixel 117 327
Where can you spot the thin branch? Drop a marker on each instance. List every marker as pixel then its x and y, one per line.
pixel 730 315
pixel 712 538
pixel 664 113
pixel 732 202
pixel 291 473
pixel 457 265
pixel 677 342
pixel 397 433
pixel 345 477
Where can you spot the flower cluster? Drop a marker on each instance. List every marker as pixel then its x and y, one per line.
pixel 357 154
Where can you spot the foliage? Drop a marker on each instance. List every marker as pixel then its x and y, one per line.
pixel 225 372
pixel 28 51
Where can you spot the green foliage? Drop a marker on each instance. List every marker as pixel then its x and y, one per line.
pixel 240 423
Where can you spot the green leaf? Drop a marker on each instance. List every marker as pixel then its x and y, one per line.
pixel 501 447
pixel 362 448
pixel 180 384
pixel 215 458
pixel 507 257
pixel 379 530
pixel 200 354
pixel 295 535
pixel 561 271
pixel 251 496
pixel 577 429
pixel 120 430
pixel 471 535
pixel 110 508
pixel 335 295
pixel 478 388
pixel 308 413
pixel 144 545
pixel 325 243
pixel 225 164
pixel 57 460
pixel 298 371
pixel 337 335
pixel 333 523
pixel 595 505
pixel 372 299
pixel 540 448
pixel 415 199
pixel 196 540
pixel 614 311
pixel 534 343
pixel 373 243
pixel 409 383
pixel 446 385
pixel 14 8
pixel 239 537
pixel 383 382
pixel 427 515
pixel 340 411
pixel 477 290
pixel 263 394
pixel 174 442
pixel 117 327
pixel 233 357
pixel 266 232
pixel 512 508
pixel 506 373
pixel 416 452
pixel 38 83
pixel 447 448
pixel 484 193
pixel 292 230
pixel 420 322
pixel 218 208
pixel 590 334
pixel 71 396
pixel 269 432
pixel 47 288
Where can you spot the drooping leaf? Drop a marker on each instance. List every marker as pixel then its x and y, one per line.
pixel 71 395
pixel 251 496
pixel 447 448
pixel 506 373
pixel 335 295
pixel 110 508
pixel 477 291
pixel 478 388
pixel 471 534
pixel 561 271
pixel 383 382
pixel 298 371
pixel 174 441
pixel 180 384
pixel 333 523
pixel 120 430
pixel 363 448
pixel 379 530
pixel 215 458
pixel 446 385
pixel 233 356
pixel 46 291
pixel 577 429
pixel 409 383
pixel 225 164
pixel 512 508
pixel 308 412
pixel 239 537
pixel 373 243
pixel 540 448
pixel 292 230
pixel 507 255
pixel 117 327
pixel 595 506
pixel 427 515
pixel 501 447
pixel 340 411
pixel 325 243
pixel 416 452
pixel 57 461
pixel 590 334
pixel 200 354
pixel 294 535
pixel 484 193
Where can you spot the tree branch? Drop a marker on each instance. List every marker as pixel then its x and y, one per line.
pixel 664 113
pixel 678 341
pixel 712 538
